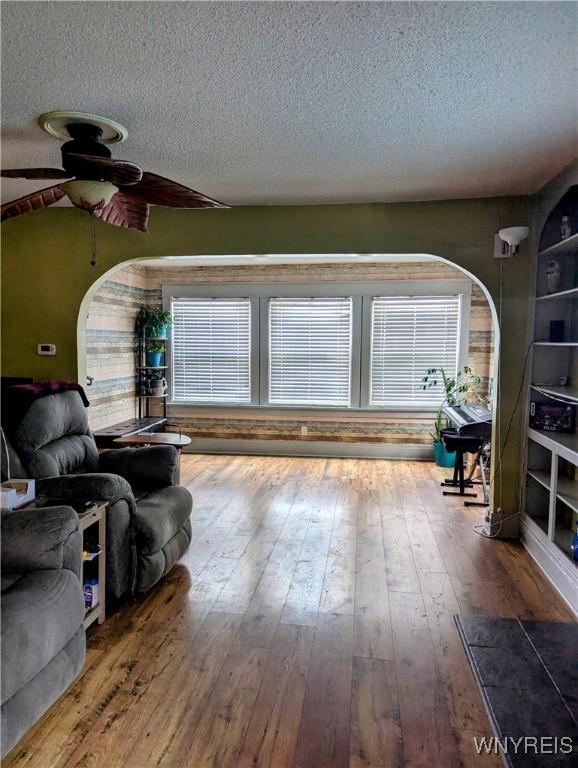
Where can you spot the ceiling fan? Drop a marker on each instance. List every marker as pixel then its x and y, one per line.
pixel 117 191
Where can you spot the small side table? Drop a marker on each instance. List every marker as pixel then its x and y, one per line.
pixel 96 515
pixel 89 514
pixel 156 438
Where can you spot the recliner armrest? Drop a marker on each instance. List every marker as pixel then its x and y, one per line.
pixel 41 538
pixel 146 468
pixel 92 486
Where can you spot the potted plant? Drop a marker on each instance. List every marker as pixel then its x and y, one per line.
pixel 154 350
pixel 465 387
pixel 156 322
pixel 156 384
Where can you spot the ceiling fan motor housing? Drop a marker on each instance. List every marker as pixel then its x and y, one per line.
pixel 85 141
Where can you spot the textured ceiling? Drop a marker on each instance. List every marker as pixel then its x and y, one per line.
pixel 303 102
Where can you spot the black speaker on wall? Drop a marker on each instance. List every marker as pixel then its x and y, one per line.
pixel 556 330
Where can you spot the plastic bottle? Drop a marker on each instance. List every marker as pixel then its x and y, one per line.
pixel 565 228
pixel 574 544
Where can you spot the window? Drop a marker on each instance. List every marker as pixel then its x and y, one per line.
pixel 408 336
pixel 211 350
pixel 310 351
pixel 325 345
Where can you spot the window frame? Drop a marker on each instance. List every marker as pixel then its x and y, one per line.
pixel 253 364
pixel 360 292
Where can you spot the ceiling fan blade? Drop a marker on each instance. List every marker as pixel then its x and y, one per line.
pixel 41 199
pixel 125 211
pixel 34 173
pixel 157 190
pixel 118 172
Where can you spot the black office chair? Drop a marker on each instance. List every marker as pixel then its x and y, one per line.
pixel 461 445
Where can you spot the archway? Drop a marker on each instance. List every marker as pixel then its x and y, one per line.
pixel 176 265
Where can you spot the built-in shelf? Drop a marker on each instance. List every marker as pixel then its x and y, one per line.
pixel 570 293
pixel 563 445
pixel 556 343
pixel 567 492
pixel 540 476
pixel 550 502
pixel 564 246
pixel 563 540
pixel 569 394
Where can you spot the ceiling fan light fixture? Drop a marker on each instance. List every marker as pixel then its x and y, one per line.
pixel 89 195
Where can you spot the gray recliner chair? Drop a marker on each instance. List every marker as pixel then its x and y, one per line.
pixel 42 635
pixel 148 524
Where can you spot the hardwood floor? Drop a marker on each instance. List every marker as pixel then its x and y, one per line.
pixel 310 624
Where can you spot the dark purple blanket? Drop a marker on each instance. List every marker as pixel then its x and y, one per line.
pixel 18 398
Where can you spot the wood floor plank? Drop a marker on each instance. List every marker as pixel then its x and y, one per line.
pixel 262 617
pixel 338 591
pixel 466 710
pixel 428 737
pixel 272 733
pixel 373 636
pixel 325 723
pixel 165 736
pixel 304 596
pixel 217 740
pixel 375 719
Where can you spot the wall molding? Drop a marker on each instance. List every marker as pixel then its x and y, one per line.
pixel 317 448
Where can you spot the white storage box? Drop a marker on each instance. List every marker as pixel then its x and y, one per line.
pixel 15 493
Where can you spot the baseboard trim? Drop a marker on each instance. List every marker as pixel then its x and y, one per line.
pixel 561 573
pixel 320 448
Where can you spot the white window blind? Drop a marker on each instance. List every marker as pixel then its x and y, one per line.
pixel 408 336
pixel 211 342
pixel 310 351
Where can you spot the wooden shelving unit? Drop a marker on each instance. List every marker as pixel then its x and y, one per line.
pixel 550 506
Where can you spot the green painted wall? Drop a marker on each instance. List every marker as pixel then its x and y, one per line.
pixel 46 271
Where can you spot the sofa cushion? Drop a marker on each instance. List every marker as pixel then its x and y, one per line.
pixel 41 612
pixel 159 515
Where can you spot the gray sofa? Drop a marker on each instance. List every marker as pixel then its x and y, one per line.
pixel 148 524
pixel 42 636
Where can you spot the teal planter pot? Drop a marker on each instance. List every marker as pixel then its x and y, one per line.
pixel 441 457
pixel 154 359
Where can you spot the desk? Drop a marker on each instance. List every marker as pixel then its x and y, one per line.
pixel 156 438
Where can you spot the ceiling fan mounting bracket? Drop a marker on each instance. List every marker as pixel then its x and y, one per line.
pixel 64 124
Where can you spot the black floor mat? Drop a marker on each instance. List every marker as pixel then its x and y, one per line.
pixel 527 672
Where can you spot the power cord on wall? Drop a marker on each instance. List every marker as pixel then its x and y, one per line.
pixel 502 446
pixel 498 467
pixel 5 445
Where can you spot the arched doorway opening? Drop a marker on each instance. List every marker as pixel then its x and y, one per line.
pixel 106 348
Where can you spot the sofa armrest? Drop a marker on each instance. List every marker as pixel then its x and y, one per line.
pixel 41 538
pixel 146 468
pixel 92 486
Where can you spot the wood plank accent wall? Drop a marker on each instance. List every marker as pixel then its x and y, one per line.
pixel 111 344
